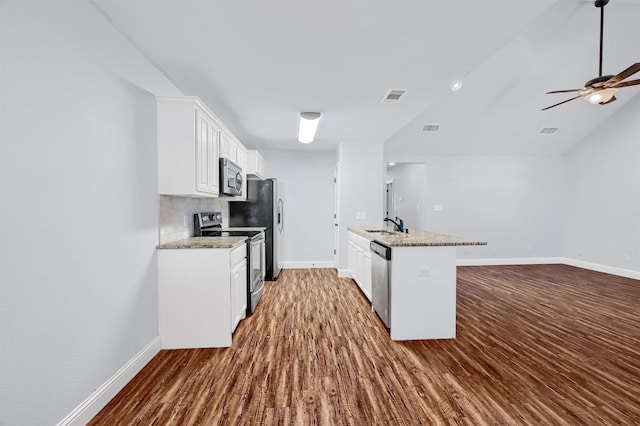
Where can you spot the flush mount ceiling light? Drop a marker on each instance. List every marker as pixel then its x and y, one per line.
pixel 308 126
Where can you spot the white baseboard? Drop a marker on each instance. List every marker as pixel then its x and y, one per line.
pixel 304 265
pixel 627 273
pixel 101 397
pixel 344 273
pixel 509 261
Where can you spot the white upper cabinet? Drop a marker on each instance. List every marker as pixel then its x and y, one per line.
pixel 207 164
pixel 188 141
pixel 255 164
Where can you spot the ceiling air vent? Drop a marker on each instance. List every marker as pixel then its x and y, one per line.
pixel 394 95
pixel 547 130
pixel 430 127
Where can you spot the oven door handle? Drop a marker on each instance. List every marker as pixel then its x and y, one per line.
pixel 263 260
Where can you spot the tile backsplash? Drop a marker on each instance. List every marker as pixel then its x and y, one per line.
pixel 173 209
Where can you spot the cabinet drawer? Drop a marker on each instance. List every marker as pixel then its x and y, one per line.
pixel 238 253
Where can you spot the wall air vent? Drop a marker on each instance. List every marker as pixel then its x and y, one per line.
pixel 393 95
pixel 430 127
pixel 547 130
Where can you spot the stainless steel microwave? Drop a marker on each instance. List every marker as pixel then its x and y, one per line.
pixel 231 181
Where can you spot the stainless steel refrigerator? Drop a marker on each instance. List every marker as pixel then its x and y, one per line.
pixel 263 208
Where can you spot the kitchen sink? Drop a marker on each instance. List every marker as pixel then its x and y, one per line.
pixel 379 231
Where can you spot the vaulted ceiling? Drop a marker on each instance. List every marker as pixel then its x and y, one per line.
pixel 259 63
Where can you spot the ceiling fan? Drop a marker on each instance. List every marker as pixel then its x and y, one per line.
pixel 602 89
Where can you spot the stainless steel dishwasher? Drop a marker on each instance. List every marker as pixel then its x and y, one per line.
pixel 380 277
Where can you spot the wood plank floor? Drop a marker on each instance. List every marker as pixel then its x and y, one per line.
pixel 543 344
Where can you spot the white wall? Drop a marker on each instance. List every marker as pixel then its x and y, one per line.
pixel 515 204
pixel 79 216
pixel 512 203
pixel 307 186
pixel 603 194
pixel 361 189
pixel 409 181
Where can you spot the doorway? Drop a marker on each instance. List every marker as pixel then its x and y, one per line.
pixel 389 208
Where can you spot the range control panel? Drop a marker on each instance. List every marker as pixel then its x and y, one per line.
pixel 205 220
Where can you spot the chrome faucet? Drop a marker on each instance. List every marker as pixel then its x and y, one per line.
pixel 399 224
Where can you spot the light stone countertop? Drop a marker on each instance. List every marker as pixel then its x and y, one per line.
pixel 415 237
pixel 203 243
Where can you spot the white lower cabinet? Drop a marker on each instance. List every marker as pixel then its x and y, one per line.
pixel 201 295
pixel 238 286
pixel 359 261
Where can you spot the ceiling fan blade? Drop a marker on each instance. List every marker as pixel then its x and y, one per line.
pixel 563 91
pixel 624 74
pixel 563 102
pixel 613 98
pixel 627 83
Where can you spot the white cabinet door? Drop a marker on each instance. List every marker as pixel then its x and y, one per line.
pixel 366 279
pixel 225 147
pixel 359 262
pixel 359 265
pixel 238 293
pixel 255 164
pixel 187 148
pixel 207 165
pixel 238 285
pixel 352 256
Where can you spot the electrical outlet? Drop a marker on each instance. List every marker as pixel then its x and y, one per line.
pixel 364 215
pixel 437 207
pixel 424 272
pixel 625 257
pixel 358 215
pixel 185 221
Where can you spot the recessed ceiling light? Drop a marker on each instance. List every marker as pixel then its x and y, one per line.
pixel 456 85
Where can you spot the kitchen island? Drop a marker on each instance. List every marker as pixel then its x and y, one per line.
pixel 422 281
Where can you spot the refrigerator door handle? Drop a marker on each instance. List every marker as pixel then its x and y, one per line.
pixel 280 214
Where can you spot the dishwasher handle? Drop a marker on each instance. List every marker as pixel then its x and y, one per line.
pixel 381 250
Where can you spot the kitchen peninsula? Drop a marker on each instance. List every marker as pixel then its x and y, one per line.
pixel 421 280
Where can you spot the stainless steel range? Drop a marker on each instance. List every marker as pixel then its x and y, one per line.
pixel 209 224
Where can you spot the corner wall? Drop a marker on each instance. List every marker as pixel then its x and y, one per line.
pixel 361 190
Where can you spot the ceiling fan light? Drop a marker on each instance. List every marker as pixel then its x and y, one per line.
pixel 601 96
